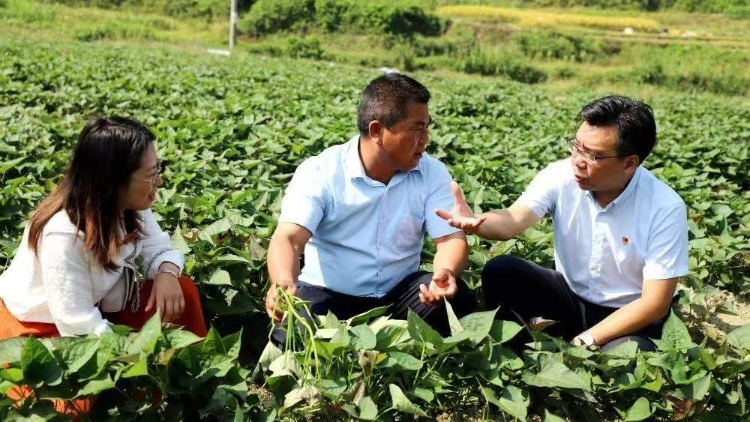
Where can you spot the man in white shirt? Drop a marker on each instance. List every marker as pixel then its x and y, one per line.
pixel 360 210
pixel 620 235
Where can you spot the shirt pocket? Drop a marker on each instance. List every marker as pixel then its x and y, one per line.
pixel 409 232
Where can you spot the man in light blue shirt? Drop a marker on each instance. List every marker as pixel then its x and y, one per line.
pixel 620 234
pixel 360 211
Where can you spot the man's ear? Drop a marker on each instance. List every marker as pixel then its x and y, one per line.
pixel 376 131
pixel 631 163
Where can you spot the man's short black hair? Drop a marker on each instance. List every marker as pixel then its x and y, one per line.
pixel 634 121
pixel 385 99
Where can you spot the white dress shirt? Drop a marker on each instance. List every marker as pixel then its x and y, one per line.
pixel 366 236
pixel 64 284
pixel 606 253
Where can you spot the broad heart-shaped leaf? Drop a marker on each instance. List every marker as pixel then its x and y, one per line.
pixel 675 335
pixel 421 331
pixel 697 390
pixel 555 374
pixel 503 331
pixel 368 410
pixel 453 322
pixel 367 316
pixel 512 401
pixel 640 410
pixel 177 339
pixel 220 278
pixel 362 337
pixel 403 360
pixel 77 354
pixel 97 385
pixel 138 369
pixel 627 350
pixel 740 337
pixel 213 343
pixel 145 340
pixel 39 364
pixel 402 403
pixel 232 344
pixel 10 350
pixel 478 325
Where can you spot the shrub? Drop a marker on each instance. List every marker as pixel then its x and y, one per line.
pixel 500 64
pixel 269 16
pixel 381 17
pixel 552 45
pixel 304 48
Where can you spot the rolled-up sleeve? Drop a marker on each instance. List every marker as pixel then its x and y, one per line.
pixel 541 194
pixel 440 197
pixel 304 201
pixel 667 255
pixel 68 285
pixel 157 246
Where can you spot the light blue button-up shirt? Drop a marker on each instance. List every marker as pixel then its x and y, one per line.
pixel 606 253
pixel 366 236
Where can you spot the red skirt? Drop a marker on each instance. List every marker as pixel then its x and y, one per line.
pixel 191 319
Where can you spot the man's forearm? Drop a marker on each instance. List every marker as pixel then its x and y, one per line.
pixel 283 262
pixel 451 254
pixel 627 320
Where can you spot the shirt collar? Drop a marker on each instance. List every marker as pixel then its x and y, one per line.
pixel 353 163
pixel 625 194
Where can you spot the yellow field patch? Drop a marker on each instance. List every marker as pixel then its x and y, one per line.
pixel 532 17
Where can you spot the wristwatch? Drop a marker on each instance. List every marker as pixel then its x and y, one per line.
pixel 586 338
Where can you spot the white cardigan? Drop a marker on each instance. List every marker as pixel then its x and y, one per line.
pixel 65 283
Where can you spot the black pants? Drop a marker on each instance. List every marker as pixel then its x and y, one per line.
pixel 403 297
pixel 525 288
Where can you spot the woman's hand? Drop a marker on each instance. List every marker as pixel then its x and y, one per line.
pixel 166 296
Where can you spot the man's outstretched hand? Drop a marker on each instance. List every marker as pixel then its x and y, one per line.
pixel 461 216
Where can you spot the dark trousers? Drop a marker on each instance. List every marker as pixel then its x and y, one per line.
pixel 403 297
pixel 529 290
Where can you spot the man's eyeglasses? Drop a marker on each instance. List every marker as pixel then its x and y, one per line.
pixel 155 175
pixel 586 155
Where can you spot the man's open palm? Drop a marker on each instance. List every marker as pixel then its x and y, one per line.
pixel 461 217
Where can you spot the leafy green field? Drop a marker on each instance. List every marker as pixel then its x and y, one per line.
pixel 231 132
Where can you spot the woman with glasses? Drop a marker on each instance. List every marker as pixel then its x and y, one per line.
pixel 92 253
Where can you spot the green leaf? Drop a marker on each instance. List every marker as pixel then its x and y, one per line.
pixel 96 386
pixel 512 401
pixel 640 410
pixel 10 350
pixel 368 410
pixel 39 364
pixel 138 369
pixel 76 355
pixel 502 331
pixel 362 337
pixel 13 375
pixel 403 360
pixel 740 337
pixel 367 316
pixel 220 278
pixel 627 350
pixel 555 374
pixel 177 339
pixel 675 335
pixel 478 325
pixel 147 337
pixel 402 403
pixel 421 331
